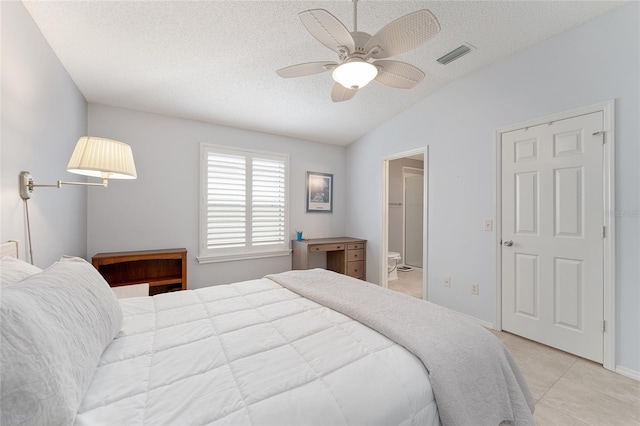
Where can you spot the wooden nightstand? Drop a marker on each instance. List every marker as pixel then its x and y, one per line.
pixel 164 270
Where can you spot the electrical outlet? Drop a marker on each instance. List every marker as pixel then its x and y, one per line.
pixel 488 225
pixel 447 281
pixel 474 288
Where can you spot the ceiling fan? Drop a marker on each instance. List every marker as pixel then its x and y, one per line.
pixel 359 53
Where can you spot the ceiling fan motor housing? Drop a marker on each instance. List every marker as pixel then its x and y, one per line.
pixel 360 40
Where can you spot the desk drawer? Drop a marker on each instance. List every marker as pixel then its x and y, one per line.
pixel 355 255
pixel 326 247
pixel 355 269
pixel 357 246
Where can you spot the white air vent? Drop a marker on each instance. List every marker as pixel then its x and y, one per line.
pixel 454 54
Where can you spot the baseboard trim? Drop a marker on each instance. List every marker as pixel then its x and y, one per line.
pixel 483 323
pixel 628 372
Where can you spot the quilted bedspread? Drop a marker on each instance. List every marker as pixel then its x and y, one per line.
pixel 474 378
pixel 252 353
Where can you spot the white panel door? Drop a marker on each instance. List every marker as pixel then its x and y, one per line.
pixel 552 231
pixel 413 219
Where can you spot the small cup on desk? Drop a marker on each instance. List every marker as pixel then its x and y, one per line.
pixel 299 235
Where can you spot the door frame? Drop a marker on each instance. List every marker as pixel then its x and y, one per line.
pixel 609 275
pixel 384 238
pixel 415 172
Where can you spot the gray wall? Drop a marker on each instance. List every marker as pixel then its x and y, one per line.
pixel 43 115
pixel 160 208
pixel 595 62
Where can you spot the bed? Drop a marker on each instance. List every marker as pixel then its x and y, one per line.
pixel 254 352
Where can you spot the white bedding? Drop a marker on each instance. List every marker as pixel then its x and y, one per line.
pixel 55 325
pixel 252 353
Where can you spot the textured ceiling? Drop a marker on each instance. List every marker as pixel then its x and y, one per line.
pixel 215 61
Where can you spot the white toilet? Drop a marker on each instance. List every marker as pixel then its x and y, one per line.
pixel 393 259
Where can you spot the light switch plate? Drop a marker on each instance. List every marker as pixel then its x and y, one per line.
pixel 488 225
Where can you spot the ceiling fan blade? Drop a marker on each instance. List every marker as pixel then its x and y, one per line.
pixel 309 68
pixel 404 34
pixel 398 74
pixel 327 29
pixel 340 93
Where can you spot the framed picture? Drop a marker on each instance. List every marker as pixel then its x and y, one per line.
pixel 319 192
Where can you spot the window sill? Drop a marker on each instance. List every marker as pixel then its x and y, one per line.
pixel 243 256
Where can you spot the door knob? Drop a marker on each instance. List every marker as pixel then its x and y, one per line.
pixel 508 243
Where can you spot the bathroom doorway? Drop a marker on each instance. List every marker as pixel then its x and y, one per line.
pixel 403 258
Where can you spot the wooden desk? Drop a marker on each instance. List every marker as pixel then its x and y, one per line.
pixel 345 255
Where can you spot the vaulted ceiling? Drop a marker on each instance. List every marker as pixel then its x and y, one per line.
pixel 215 61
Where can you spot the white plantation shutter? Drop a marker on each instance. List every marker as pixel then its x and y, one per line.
pixel 226 201
pixel 244 211
pixel 268 202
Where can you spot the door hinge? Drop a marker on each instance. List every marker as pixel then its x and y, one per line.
pixel 604 232
pixel 604 323
pixel 600 133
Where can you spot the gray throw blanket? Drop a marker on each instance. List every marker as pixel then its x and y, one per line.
pixel 474 378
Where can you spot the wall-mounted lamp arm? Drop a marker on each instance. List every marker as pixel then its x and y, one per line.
pixel 27 184
pixel 92 156
pixel 105 183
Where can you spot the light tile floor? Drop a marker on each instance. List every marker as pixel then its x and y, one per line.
pixel 409 282
pixel 568 390
pixel 573 391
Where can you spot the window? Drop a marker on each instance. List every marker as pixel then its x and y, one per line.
pixel 244 210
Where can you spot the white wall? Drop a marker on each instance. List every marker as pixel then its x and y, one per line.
pixel 43 115
pixel 595 62
pixel 160 208
pixel 396 190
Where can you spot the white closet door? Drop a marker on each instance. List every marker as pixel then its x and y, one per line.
pixel 552 234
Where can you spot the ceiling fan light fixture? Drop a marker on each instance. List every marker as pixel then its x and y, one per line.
pixel 355 74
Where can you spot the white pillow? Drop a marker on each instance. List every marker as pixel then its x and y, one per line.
pixel 54 327
pixel 13 270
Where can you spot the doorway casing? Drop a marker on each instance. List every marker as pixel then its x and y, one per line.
pixel 609 296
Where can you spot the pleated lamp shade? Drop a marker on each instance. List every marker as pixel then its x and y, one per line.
pixel 102 158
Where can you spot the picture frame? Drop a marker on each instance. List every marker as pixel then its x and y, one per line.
pixel 319 192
